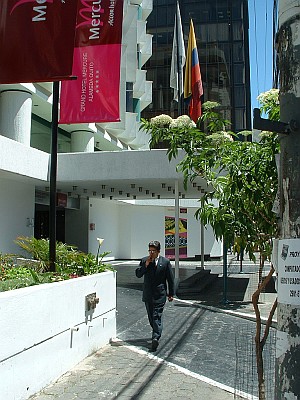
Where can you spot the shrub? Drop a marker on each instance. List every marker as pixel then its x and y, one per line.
pixel 70 263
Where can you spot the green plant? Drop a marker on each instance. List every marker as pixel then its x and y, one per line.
pixel 14 276
pixel 38 249
pixel 69 260
pixel 242 181
pixel 241 176
pixel 70 263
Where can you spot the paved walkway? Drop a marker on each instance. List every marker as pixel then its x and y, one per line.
pixel 121 371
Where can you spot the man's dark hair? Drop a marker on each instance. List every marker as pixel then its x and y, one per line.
pixel 155 243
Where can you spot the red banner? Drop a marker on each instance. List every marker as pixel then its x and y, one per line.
pixel 36 40
pixel 94 96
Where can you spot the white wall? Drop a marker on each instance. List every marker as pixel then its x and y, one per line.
pixel 127 229
pixel 104 214
pixel 194 237
pixel 16 205
pixel 76 229
pixel 37 341
pixel 145 223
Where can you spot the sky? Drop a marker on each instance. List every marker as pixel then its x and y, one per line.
pixel 261 47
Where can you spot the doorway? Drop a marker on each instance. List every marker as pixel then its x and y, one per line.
pixel 41 223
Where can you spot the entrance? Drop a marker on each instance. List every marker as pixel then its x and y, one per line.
pixel 41 223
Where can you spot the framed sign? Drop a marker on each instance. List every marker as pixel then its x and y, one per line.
pixel 289 271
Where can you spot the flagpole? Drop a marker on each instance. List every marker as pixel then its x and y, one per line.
pixel 177 60
pixel 53 174
pixel 178 63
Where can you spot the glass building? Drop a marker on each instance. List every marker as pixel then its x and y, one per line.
pixel 221 29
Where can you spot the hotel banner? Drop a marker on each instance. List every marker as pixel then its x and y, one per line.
pixel 36 40
pixel 94 95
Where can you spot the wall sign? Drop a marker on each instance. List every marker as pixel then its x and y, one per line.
pixel 289 271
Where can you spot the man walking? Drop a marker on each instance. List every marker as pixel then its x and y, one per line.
pixel 157 273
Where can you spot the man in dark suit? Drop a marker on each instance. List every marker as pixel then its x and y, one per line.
pixel 157 273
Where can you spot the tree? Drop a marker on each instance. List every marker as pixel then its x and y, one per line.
pixel 242 175
pixel 243 179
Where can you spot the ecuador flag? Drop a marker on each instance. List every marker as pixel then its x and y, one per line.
pixel 193 89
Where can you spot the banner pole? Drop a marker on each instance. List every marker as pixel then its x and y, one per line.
pixel 53 174
pixel 178 64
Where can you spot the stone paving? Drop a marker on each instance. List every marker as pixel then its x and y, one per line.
pixel 120 372
pixel 124 371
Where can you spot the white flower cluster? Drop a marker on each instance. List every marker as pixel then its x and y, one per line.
pixel 227 135
pixel 209 105
pixel 183 121
pixel 162 120
pixel 220 137
pixel 269 96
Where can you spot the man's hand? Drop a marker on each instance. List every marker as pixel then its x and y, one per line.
pixel 148 261
pixel 170 298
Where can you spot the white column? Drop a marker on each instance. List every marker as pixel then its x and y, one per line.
pixel 15 115
pixel 82 141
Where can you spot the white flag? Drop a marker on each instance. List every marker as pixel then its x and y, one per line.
pixel 178 57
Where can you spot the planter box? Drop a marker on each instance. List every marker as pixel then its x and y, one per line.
pixel 48 329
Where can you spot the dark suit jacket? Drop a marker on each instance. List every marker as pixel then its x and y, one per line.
pixel 156 279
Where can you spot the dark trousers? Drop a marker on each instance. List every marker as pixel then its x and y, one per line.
pixel 154 312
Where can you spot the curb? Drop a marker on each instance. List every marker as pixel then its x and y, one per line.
pixel 250 317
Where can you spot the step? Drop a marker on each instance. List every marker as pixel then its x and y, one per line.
pixel 197 287
pixel 195 278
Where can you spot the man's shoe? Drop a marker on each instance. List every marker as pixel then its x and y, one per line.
pixel 154 344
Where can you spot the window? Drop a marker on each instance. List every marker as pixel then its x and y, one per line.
pixel 129 97
pixel 239 73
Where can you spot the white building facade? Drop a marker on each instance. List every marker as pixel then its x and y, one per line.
pixel 100 166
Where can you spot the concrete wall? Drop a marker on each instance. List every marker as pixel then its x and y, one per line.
pixel 104 214
pixel 146 224
pixel 38 343
pixel 76 228
pixel 127 229
pixel 16 205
